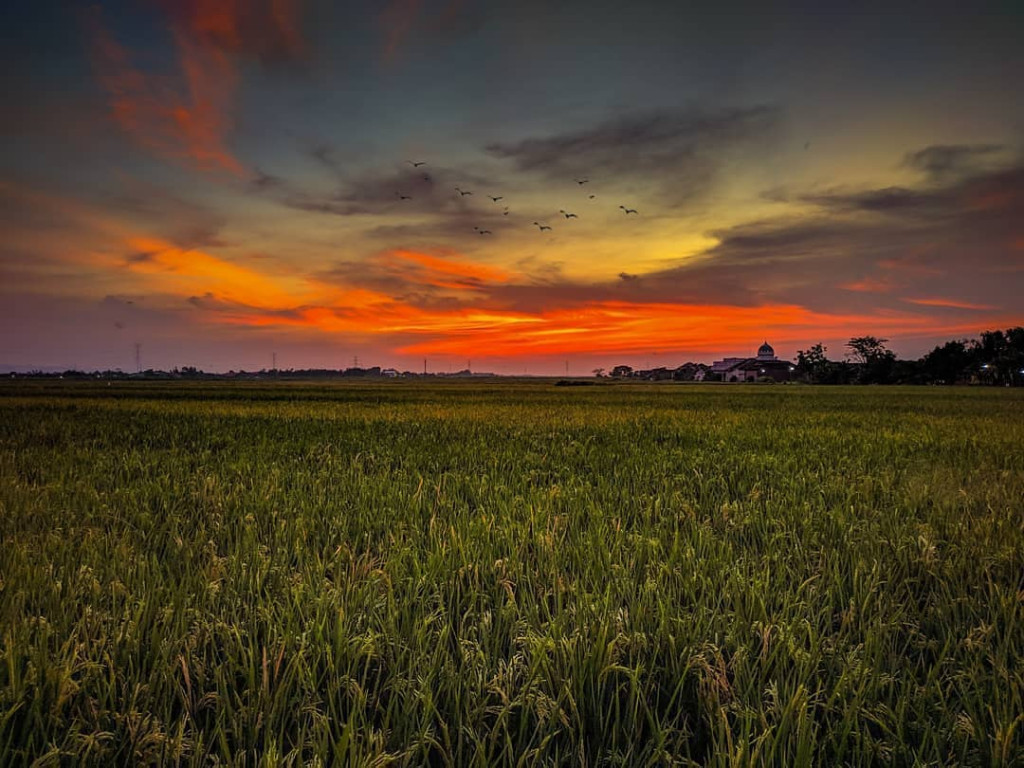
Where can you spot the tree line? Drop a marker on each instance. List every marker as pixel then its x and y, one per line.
pixel 996 358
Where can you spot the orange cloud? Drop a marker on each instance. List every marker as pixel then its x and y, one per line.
pixel 444 272
pixel 179 117
pixel 263 29
pixel 624 328
pixel 868 285
pixel 194 272
pixel 611 327
pixel 186 116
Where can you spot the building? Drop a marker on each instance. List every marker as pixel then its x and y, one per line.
pixel 690 372
pixel 764 365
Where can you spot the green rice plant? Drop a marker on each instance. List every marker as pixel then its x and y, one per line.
pixel 475 574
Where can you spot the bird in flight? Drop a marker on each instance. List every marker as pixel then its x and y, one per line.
pixel 415 164
pixel 496 199
pixel 592 197
pixel 403 197
pixel 541 227
pixel 568 215
pixel 483 231
pixel 581 182
pixel 463 192
pixel 628 210
pixel 505 212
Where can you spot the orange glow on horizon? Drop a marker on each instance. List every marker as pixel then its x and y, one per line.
pixel 596 328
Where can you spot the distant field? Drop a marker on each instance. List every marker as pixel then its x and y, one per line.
pixel 483 574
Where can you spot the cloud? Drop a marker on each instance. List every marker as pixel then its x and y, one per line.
pixel 869 285
pixel 996 194
pixel 401 191
pixel 838 258
pixel 942 161
pixel 419 278
pixel 874 241
pixel 895 200
pixel 681 149
pixel 950 304
pixel 186 115
pixel 183 117
pixel 417 207
pixel 265 30
pixel 397 20
pixel 185 222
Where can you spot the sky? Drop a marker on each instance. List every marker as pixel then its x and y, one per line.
pixel 453 182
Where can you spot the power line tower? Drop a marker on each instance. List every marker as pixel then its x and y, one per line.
pixel 273 357
pixel 138 357
pixel 355 361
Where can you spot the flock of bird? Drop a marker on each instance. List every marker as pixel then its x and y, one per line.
pixel 498 198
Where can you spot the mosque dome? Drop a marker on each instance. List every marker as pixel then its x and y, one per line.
pixel 765 352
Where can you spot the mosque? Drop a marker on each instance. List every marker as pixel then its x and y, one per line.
pixel 764 365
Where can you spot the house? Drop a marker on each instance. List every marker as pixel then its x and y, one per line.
pixel 765 365
pixel 690 372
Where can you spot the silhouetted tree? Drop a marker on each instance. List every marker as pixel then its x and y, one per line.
pixel 813 364
pixel 949 363
pixel 874 360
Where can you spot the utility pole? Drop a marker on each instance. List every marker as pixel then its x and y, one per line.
pixel 424 366
pixel 138 357
pixel 273 356
pixel 566 367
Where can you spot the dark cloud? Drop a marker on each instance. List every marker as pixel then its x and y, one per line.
pixel 680 150
pixel 262 182
pixel 941 161
pixel 897 200
pixel 454 225
pixel 995 197
pixel 326 156
pixel 406 190
pixel 860 251
pixel 935 239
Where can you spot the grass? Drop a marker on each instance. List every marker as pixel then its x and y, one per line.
pixel 517 574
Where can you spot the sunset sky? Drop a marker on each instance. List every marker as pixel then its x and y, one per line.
pixel 222 180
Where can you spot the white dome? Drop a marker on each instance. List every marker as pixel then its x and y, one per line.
pixel 765 352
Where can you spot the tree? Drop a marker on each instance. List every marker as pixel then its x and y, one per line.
pixel 813 364
pixel 949 363
pixel 622 371
pixel 866 349
pixel 599 372
pixel 876 362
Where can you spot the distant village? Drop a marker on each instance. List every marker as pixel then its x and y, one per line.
pixel 762 366
pixel 995 358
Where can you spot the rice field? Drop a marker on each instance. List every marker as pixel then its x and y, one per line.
pixel 476 574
